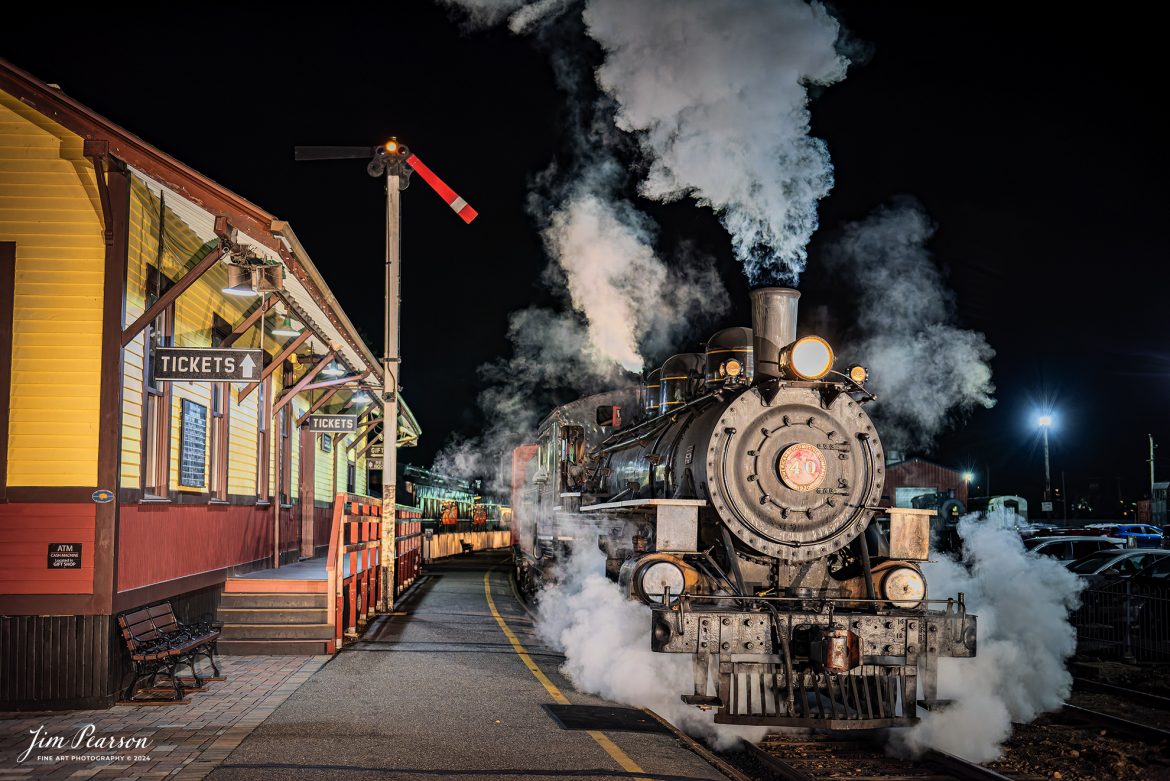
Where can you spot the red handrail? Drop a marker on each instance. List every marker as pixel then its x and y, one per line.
pixel 356 534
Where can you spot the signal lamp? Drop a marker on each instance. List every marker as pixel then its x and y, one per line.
pixel 733 368
pixel 859 374
pixel 808 358
pixel 391 146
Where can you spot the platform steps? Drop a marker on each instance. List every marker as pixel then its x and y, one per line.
pixel 274 617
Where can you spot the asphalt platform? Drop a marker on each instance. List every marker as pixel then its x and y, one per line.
pixel 447 687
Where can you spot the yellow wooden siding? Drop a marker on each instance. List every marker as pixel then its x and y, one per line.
pixel 242 443
pixel 296 408
pixel 340 462
pixel 326 469
pixel 49 206
pixel 361 482
pixel 194 310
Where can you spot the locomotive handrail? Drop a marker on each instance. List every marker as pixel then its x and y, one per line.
pixel 649 425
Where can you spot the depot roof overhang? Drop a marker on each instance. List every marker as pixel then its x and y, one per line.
pixel 263 228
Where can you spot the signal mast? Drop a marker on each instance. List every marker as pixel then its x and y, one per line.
pixel 396 162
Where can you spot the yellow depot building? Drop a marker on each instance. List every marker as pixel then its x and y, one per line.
pixel 119 488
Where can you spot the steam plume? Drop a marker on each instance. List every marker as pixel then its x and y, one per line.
pixel 606 642
pixel 1023 602
pixel 926 370
pixel 716 94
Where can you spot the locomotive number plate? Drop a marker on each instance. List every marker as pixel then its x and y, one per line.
pixel 802 467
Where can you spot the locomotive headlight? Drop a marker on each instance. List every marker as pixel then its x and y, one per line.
pixel 904 587
pixel 655 579
pixel 810 358
pixel 733 368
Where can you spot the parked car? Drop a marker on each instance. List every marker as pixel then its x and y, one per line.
pixel 1109 564
pixel 1127 614
pixel 1136 535
pixel 1068 549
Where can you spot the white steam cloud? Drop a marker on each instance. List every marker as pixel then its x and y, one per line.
pixel 926 371
pixel 1023 602
pixel 717 95
pixel 606 642
pixel 628 297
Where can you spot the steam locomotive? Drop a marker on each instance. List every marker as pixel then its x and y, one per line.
pixel 734 493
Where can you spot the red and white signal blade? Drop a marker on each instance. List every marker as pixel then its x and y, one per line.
pixel 460 206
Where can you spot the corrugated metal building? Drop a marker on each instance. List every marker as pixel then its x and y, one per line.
pixel 109 249
pixel 917 476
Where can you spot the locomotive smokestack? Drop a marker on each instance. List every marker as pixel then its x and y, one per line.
pixel 774 312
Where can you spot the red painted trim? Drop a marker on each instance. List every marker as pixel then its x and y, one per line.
pixel 110 395
pixel 164 542
pixel 7 303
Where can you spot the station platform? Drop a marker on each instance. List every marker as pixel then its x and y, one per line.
pixel 455 684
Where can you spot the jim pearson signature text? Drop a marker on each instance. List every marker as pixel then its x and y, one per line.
pixel 83 738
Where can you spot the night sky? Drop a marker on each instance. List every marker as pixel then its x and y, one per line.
pixel 1032 142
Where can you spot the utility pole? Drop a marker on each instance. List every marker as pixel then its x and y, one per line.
pixel 1064 496
pixel 1152 446
pixel 1047 471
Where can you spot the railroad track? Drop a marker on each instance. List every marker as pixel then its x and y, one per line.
pixel 819 758
pixel 1122 728
pixel 822 757
pixel 1132 695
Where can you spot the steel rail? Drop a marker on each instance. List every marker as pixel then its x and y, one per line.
pixel 958 768
pixel 1134 695
pixel 1125 727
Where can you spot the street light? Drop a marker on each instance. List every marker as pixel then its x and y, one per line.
pixel 1045 423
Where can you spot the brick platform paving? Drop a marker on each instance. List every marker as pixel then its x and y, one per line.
pixel 186 742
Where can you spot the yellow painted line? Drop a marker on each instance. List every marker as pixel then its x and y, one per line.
pixel 611 748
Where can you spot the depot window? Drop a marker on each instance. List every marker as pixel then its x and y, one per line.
pixel 263 443
pixel 220 418
pixel 284 431
pixel 156 417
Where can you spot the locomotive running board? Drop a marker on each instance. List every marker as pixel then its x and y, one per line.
pixel 676 520
pixel 633 504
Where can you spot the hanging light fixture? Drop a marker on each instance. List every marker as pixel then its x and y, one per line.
pixel 286 327
pixel 333 370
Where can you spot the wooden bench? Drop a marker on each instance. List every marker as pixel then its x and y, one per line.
pixel 159 644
